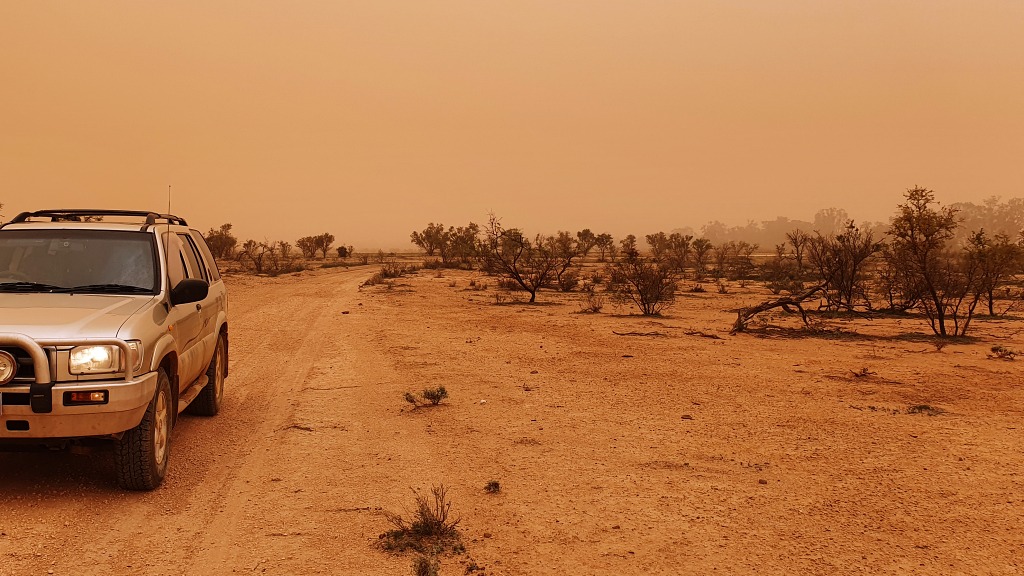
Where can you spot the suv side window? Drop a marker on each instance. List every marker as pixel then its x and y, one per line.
pixel 175 261
pixel 207 255
pixel 194 266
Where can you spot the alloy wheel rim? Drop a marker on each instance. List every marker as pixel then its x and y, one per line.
pixel 218 380
pixel 161 429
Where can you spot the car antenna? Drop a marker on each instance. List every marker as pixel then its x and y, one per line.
pixel 167 240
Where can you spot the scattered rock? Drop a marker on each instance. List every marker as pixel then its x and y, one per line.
pixel 687 417
pixel 762 481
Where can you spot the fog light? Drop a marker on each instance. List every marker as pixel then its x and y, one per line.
pixel 79 398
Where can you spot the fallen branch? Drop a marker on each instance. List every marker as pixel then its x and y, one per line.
pixel 639 334
pixel 704 335
pixel 787 303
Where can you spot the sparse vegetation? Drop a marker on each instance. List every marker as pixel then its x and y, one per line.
pixel 925 409
pixel 591 302
pixel 425 565
pixel 435 395
pixel 492 487
pixel 431 396
pixel 648 283
pixel 430 529
pixel 1000 352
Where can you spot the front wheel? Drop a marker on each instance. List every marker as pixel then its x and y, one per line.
pixel 141 454
pixel 208 402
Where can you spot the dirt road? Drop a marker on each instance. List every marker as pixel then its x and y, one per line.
pixel 623 445
pixel 279 482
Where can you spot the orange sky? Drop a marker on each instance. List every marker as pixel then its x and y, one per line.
pixel 368 119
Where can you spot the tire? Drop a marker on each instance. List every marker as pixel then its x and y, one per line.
pixel 142 453
pixel 208 402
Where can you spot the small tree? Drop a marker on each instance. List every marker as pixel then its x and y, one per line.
pixel 647 282
pixel 628 243
pixel 798 239
pixel 840 263
pixel 322 243
pixel 256 253
pixel 565 249
pixel 920 231
pixel 895 282
pixel 604 244
pixel 701 253
pixel 462 243
pixel 780 272
pixel 679 247
pixel 587 240
pixel 221 241
pixel 658 243
pixel 307 244
pixel 723 255
pixel 996 258
pixel 529 263
pixel 430 239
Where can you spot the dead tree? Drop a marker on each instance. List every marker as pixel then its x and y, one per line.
pixel 787 303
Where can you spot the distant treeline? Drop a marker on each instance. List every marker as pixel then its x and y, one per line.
pixel 941 261
pixel 992 215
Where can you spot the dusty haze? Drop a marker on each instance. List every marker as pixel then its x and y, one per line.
pixel 368 119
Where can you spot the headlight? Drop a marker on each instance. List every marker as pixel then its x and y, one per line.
pixel 104 359
pixel 94 359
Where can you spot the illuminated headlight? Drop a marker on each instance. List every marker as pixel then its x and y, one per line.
pixel 94 360
pixel 104 359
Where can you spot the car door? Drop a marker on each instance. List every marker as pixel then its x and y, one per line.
pixel 197 268
pixel 185 320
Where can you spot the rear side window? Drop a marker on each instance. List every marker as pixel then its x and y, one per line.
pixel 207 255
pixel 175 261
pixel 196 268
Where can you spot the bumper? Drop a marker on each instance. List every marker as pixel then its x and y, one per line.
pixel 126 404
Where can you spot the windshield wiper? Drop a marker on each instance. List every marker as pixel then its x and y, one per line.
pixel 106 289
pixel 27 287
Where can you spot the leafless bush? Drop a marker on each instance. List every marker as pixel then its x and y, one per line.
pixel 591 302
pixel 840 262
pixel 648 283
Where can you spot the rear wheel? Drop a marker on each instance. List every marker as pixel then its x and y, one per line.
pixel 141 454
pixel 208 402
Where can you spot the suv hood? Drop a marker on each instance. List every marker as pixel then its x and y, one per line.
pixel 67 316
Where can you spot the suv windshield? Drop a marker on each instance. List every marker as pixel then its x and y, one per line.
pixel 93 261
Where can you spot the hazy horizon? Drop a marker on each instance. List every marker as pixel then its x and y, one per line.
pixel 370 119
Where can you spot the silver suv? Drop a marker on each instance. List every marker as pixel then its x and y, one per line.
pixel 111 323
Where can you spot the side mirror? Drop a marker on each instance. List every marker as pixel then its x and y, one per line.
pixel 190 290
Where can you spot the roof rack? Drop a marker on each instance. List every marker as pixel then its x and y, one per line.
pixel 80 215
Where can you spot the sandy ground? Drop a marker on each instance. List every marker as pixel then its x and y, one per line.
pixel 663 454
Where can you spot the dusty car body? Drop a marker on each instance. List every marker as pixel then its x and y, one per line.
pixel 111 324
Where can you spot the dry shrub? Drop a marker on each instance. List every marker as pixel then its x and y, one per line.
pixel 591 302
pixel 425 566
pixel 431 528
